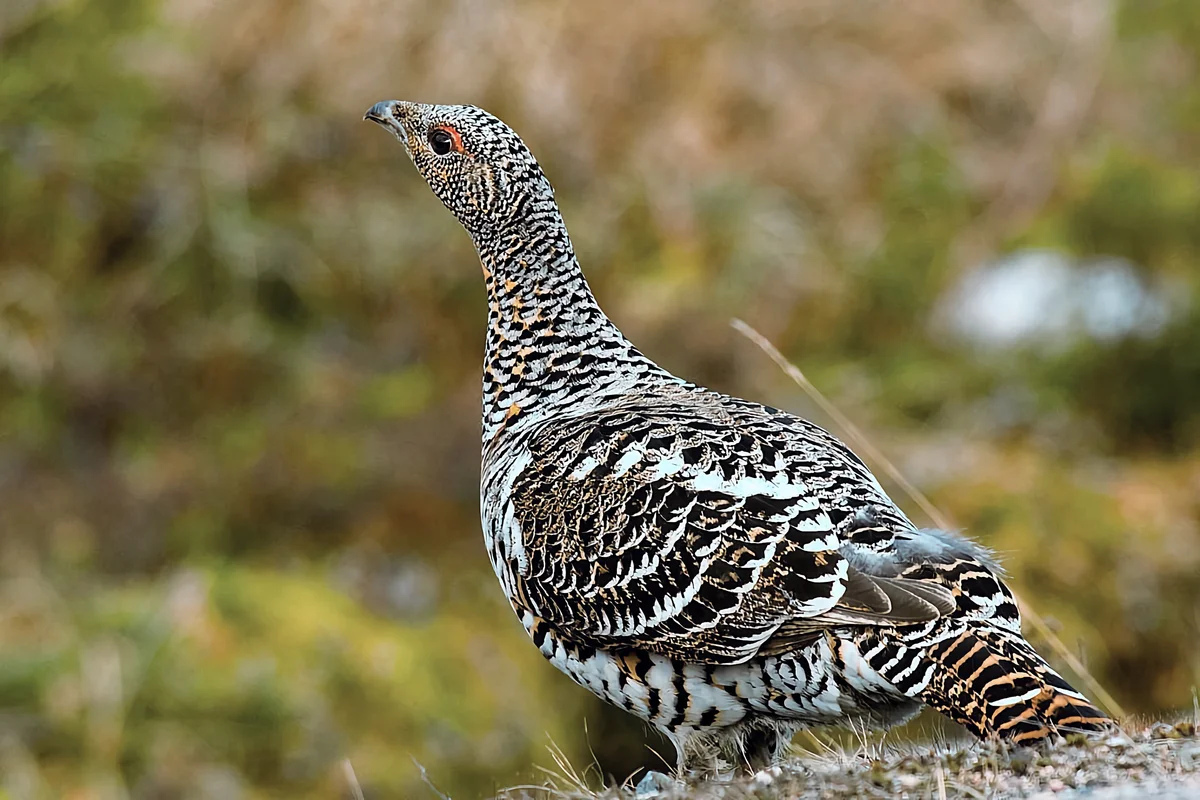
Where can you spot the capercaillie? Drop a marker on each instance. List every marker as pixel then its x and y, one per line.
pixel 724 570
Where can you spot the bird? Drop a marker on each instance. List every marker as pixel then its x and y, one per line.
pixel 728 572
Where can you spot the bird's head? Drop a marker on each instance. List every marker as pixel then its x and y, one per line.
pixel 476 165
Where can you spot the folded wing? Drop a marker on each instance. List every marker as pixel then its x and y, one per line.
pixel 709 540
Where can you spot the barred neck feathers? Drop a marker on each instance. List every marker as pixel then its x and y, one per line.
pixel 550 349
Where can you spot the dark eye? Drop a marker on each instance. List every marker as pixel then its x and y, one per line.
pixel 440 141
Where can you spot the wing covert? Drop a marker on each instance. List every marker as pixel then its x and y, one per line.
pixel 696 536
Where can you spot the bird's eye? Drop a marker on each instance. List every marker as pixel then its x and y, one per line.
pixel 441 141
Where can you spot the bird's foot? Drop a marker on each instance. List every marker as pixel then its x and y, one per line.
pixel 767 776
pixel 654 784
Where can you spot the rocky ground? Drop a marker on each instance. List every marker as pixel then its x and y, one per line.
pixel 1159 761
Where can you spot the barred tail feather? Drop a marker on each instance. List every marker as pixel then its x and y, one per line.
pixel 1067 710
pixel 995 684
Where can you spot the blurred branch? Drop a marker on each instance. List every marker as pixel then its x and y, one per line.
pixel 940 519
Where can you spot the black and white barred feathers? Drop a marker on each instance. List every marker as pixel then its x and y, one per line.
pixel 724 570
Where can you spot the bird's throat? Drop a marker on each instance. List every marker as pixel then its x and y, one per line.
pixel 549 349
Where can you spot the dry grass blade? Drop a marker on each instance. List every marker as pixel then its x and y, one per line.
pixel 852 432
pixel 425 779
pixel 352 780
pixel 941 520
pixel 567 780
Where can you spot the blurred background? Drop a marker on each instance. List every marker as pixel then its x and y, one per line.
pixel 240 345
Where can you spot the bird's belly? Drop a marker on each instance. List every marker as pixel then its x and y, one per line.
pixel 807 686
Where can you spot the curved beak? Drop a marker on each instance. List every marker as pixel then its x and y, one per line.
pixel 389 114
pixel 381 112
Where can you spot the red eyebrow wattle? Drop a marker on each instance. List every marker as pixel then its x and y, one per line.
pixel 455 136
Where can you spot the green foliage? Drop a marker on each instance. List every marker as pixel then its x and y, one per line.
pixel 1140 390
pixel 158 682
pixel 925 203
pixel 1133 206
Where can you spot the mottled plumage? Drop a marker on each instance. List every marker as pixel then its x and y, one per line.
pixel 724 570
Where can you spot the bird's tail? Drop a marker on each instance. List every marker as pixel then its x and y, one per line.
pixel 992 682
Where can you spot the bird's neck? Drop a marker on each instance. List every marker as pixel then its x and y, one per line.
pixel 550 349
